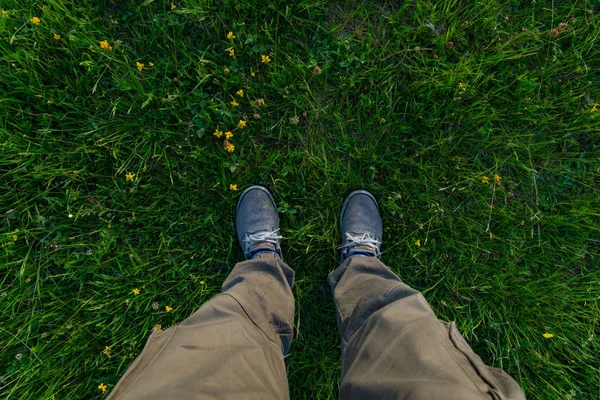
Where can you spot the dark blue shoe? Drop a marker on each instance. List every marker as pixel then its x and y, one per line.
pixel 361 226
pixel 257 223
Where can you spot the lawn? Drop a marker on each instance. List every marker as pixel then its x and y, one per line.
pixel 475 124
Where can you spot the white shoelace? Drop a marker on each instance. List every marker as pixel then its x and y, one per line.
pixel 264 236
pixel 363 239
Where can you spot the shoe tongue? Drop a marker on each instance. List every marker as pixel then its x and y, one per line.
pixel 261 246
pixel 362 249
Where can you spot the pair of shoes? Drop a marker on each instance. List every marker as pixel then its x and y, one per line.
pixel 257 224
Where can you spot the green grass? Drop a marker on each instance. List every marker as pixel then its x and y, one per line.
pixel 508 260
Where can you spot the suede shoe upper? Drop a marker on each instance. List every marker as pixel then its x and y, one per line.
pixel 361 226
pixel 257 222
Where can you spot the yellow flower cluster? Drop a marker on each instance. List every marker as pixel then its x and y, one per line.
pixel 102 388
pixel 35 20
pixel 104 45
pixel 265 59
pixel 486 179
pixel 140 66
pixel 228 146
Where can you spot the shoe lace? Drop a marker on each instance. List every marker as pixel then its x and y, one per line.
pixel 263 236
pixel 361 239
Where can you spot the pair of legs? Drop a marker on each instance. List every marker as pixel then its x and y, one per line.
pixel 233 347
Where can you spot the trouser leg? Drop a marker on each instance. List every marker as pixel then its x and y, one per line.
pixel 393 346
pixel 231 348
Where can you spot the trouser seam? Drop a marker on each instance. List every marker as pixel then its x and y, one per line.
pixel 458 342
pixel 383 299
pixel 249 317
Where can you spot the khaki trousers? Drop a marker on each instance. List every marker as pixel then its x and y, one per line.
pixel 393 346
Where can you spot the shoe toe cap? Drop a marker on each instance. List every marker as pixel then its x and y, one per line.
pixel 256 211
pixel 361 214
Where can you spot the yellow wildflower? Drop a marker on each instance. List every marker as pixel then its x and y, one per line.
pixel 418 243
pixel 129 176
pixel 168 308
pixel 14 238
pixel 218 133
pixel 241 124
pixel 265 59
pixel 497 178
pixel 36 20
pixel 139 65
pixel 229 147
pixel 231 52
pixel 228 135
pixel 136 291
pixel 173 6
pixel 548 335
pixel 151 64
pixel 485 179
pixel 202 282
pixel 240 92
pixel 104 45
pixel 235 103
pixel 462 87
pixel 158 326
pixel 234 188
pixel 102 388
pixel 106 350
pixel 230 35
pixel 259 102
pixel 595 108
pixel 56 36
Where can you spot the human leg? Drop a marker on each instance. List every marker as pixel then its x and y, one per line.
pixel 233 346
pixel 393 346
